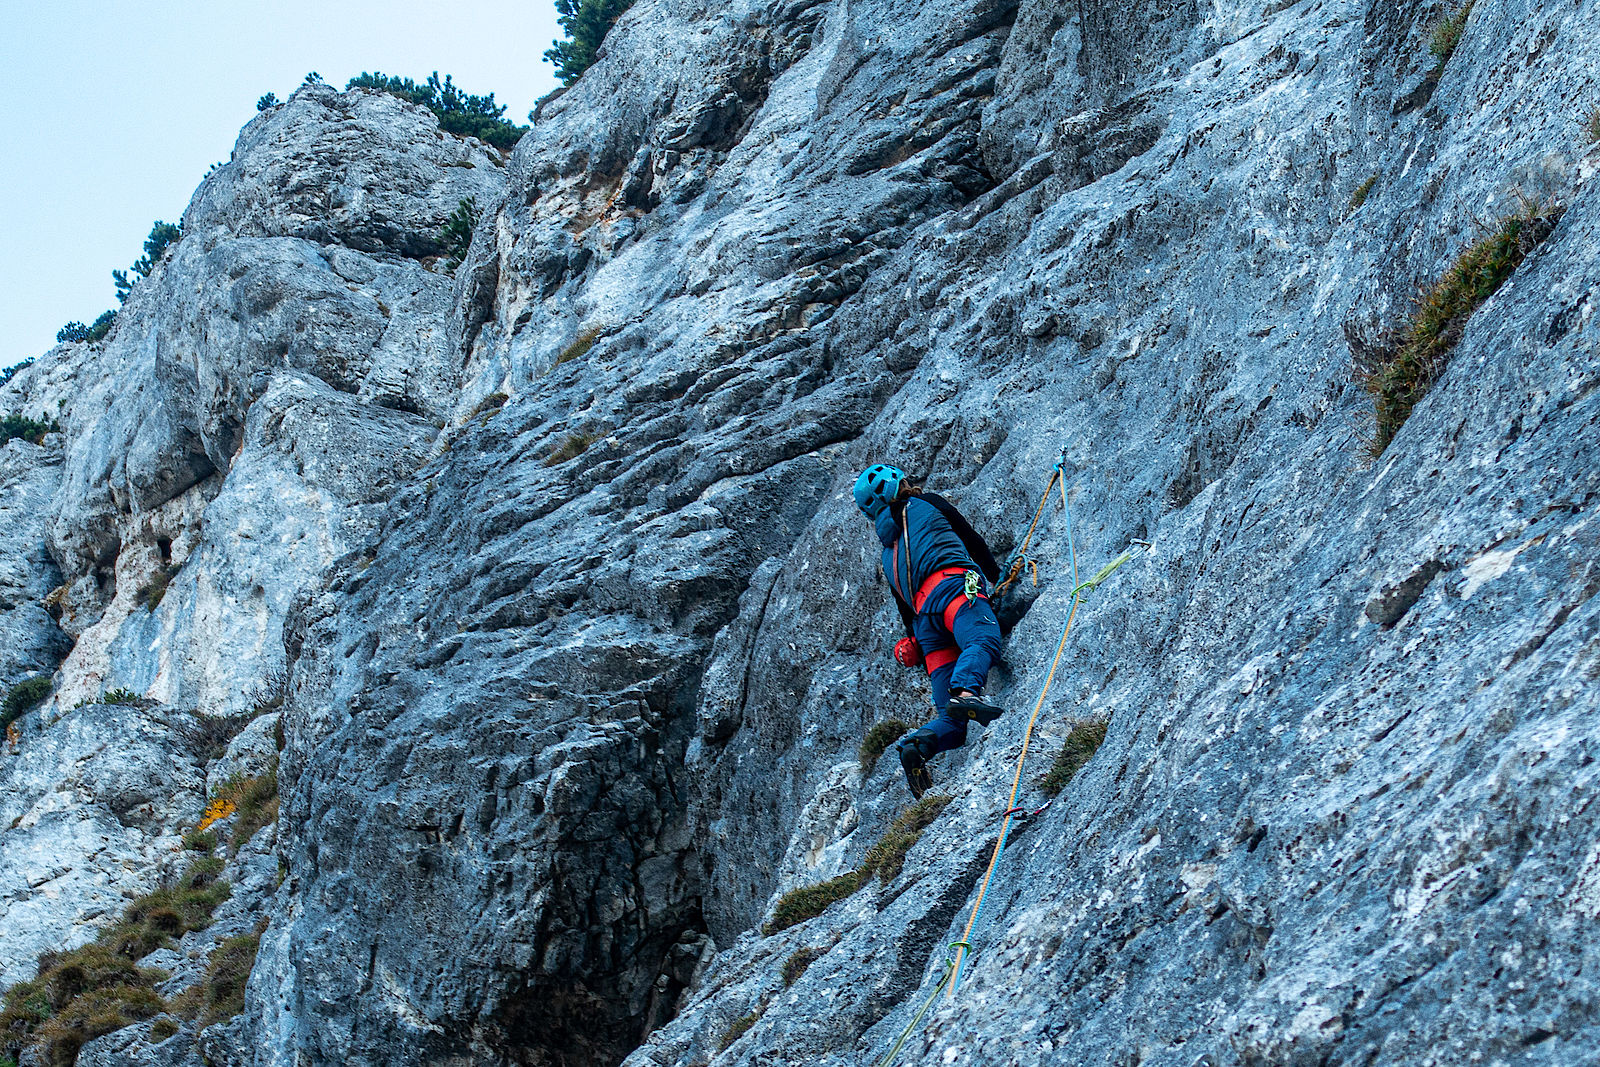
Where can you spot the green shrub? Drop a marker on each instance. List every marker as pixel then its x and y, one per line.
pixel 586 23
pixel 162 236
pixel 10 373
pixel 1363 190
pixel 29 430
pixel 885 859
pixel 269 100
pixel 1398 377
pixel 880 737
pixel 738 1028
pixel 96 330
pixel 571 447
pixel 22 698
pixel 456 233
pixel 1446 36
pixel 121 696
pixel 1078 749
pixel 796 965
pixel 1591 127
pixel 462 114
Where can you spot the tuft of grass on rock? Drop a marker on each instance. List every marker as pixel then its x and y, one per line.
pixel 580 345
pixel 122 696
pixel 153 591
pixel 162 1029
pixel 200 841
pixel 210 735
pixel 796 965
pixel 1079 748
pixel 1591 127
pixel 90 991
pixel 880 737
pixel 807 902
pixel 571 447
pixel 93 1014
pixel 1363 190
pixel 885 859
pixel 1400 376
pixel 1446 36
pixel 220 994
pixel 253 802
pixel 738 1028
pixel 491 403
pixel 888 857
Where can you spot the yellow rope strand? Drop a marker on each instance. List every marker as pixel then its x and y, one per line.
pixel 1027 737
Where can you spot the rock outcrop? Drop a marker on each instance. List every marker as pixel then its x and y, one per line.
pixel 554 565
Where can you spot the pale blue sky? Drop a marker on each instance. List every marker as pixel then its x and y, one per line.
pixel 110 113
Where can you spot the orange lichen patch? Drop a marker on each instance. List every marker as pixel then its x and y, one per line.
pixel 219 808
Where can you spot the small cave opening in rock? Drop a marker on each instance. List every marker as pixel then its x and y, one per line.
pixel 596 1020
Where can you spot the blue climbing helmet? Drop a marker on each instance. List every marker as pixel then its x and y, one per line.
pixel 878 485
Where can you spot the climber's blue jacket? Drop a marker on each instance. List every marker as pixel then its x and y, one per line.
pixel 921 537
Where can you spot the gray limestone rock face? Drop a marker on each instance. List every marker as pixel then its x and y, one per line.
pixel 93 806
pixel 31 643
pixel 259 397
pixel 575 684
pixel 360 169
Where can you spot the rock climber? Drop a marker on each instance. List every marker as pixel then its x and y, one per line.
pixel 938 569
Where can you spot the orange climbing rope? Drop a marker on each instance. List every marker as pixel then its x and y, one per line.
pixel 1020 559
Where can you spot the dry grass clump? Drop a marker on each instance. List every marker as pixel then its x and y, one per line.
pixel 220 994
pixel 90 991
pixel 1591 126
pixel 571 447
pixel 153 591
pixel 1079 748
pixel 580 345
pixel 738 1028
pixel 1363 190
pixel 880 737
pixel 491 403
pixel 886 859
pixel 253 800
pixel 796 965
pixel 1400 376
pixel 807 902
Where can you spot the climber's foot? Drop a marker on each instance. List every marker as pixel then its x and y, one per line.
pixel 916 767
pixel 974 707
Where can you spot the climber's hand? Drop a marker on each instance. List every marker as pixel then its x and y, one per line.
pixel 908 652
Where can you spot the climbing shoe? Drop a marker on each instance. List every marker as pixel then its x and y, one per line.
pixel 974 707
pixel 915 764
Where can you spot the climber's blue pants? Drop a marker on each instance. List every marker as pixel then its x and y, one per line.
pixel 975 633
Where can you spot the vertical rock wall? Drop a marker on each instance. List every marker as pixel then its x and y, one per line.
pixel 576 681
